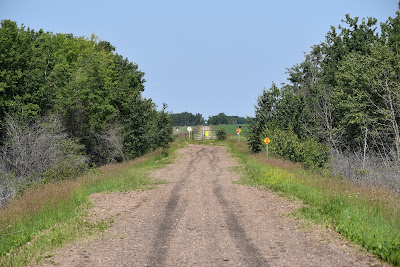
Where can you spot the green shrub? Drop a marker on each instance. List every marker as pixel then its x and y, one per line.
pixel 287 144
pixel 221 134
pixel 254 141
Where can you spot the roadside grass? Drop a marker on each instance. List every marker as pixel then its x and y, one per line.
pixel 48 215
pixel 368 216
pixel 231 128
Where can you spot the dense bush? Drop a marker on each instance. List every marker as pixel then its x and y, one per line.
pixel 345 94
pixel 221 134
pixel 287 144
pixel 254 139
pixel 96 93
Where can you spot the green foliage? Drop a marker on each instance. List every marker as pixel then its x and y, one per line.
pixel 345 94
pixel 187 119
pixel 221 118
pixel 146 129
pixel 96 94
pixel 368 89
pixel 87 84
pixel 305 150
pixel 139 128
pixel 221 134
pixel 255 135
pixel 21 87
pixel 163 129
pixel 265 111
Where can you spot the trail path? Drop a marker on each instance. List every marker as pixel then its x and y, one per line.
pixel 201 218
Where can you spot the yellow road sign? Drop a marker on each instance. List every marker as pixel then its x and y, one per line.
pixel 266 140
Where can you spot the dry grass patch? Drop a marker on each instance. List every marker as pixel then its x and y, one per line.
pixel 36 199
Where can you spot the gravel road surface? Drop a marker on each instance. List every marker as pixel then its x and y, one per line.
pixel 202 218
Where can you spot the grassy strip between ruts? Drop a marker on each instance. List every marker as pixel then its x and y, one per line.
pixel 367 216
pixel 47 216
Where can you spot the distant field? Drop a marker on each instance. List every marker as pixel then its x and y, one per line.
pixel 231 128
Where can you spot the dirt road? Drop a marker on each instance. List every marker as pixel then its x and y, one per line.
pixel 202 218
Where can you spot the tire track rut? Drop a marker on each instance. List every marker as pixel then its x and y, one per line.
pixel 253 256
pixel 171 215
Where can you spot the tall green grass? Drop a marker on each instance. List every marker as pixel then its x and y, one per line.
pixel 367 216
pixel 49 215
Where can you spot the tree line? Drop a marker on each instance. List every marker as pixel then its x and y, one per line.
pixel 76 94
pixel 187 119
pixel 344 96
pixel 221 118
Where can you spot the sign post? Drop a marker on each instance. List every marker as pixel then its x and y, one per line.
pixel 189 130
pixel 238 130
pixel 266 141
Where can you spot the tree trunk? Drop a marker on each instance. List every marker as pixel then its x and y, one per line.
pixel 365 147
pixel 394 122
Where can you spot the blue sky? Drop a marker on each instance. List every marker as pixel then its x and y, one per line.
pixel 201 56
